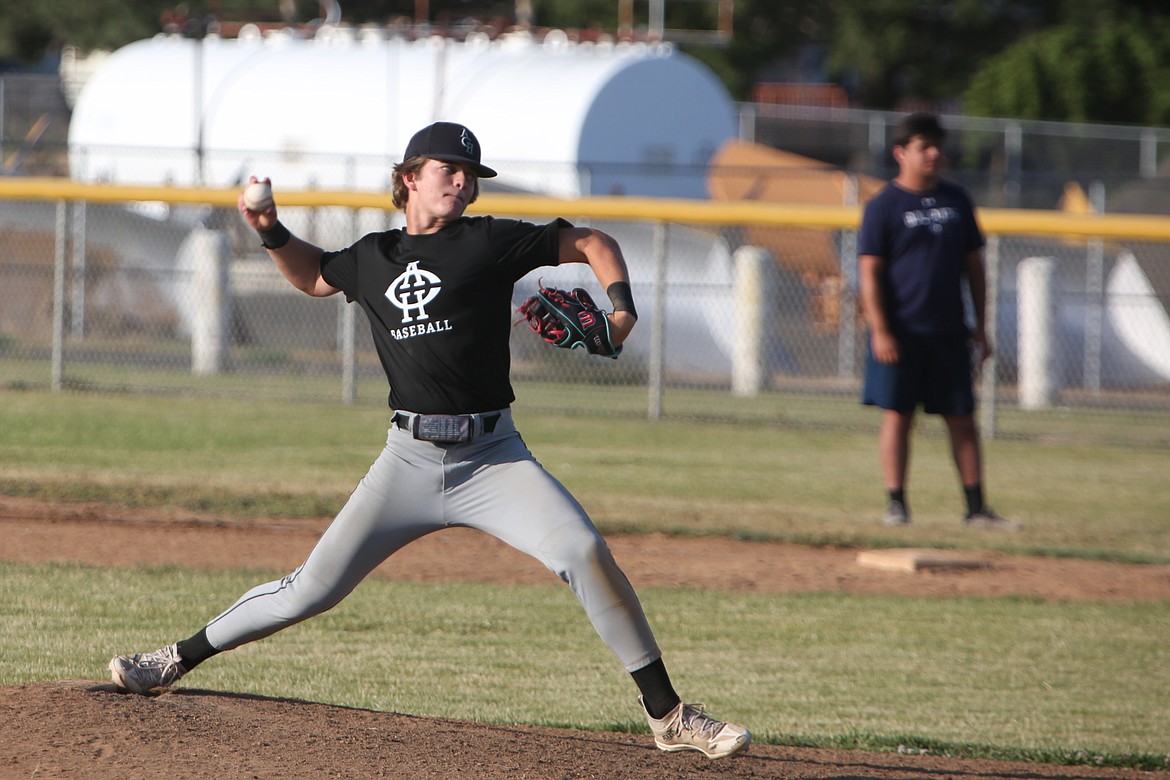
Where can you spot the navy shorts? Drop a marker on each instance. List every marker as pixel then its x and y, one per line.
pixel 933 370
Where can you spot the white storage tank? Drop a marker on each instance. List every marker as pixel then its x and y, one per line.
pixel 336 111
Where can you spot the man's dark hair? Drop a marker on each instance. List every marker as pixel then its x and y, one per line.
pixel 923 124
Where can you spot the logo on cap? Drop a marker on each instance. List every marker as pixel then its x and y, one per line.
pixel 448 141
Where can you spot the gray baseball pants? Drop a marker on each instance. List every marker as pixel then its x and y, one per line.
pixel 492 484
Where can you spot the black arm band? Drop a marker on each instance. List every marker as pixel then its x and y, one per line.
pixel 275 237
pixel 621 297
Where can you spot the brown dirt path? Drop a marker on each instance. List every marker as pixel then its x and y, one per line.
pixel 34 531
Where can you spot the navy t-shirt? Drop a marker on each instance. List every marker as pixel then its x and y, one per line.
pixel 440 306
pixel 924 238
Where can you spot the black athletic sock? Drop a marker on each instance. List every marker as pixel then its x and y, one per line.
pixel 898 495
pixel 657 693
pixel 974 495
pixel 195 650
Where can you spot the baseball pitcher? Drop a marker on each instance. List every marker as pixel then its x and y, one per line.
pixel 438 296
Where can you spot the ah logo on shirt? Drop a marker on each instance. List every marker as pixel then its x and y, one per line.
pixel 410 292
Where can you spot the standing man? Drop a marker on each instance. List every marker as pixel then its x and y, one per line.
pixel 438 298
pixel 919 240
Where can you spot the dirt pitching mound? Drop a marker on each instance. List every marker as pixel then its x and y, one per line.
pixel 82 729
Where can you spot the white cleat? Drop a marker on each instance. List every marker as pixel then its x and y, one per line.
pixel 143 672
pixel 689 727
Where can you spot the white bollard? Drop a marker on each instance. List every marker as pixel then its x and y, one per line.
pixel 754 304
pixel 1036 318
pixel 210 301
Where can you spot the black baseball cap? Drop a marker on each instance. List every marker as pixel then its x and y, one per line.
pixel 450 142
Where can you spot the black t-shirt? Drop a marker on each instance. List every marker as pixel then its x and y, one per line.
pixel 440 306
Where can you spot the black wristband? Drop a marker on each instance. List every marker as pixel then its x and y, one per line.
pixel 621 297
pixel 275 237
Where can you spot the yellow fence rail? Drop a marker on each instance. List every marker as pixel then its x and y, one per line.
pixel 1139 227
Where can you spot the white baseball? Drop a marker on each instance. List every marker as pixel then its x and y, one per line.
pixel 258 196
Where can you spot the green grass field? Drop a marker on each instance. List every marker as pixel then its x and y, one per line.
pixel 752 477
pixel 1003 677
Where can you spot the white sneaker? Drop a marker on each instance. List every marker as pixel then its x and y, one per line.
pixel 142 672
pixel 688 727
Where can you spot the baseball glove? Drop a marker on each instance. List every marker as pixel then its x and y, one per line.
pixel 569 319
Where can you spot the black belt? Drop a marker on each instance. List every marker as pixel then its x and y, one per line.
pixel 446 428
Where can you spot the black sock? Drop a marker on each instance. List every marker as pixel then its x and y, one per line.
pixel 195 650
pixel 657 693
pixel 974 496
pixel 898 495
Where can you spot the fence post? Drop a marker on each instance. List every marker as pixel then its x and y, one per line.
pixel 755 302
pixel 60 235
pixel 747 122
pixel 348 352
pixel 1036 297
pixel 658 325
pixel 80 277
pixel 991 327
pixel 210 301
pixel 1148 154
pixel 1013 151
pixel 1094 297
pixel 847 295
pixel 210 297
pixel 348 345
pixel 877 144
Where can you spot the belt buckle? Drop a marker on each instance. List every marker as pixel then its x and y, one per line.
pixel 444 428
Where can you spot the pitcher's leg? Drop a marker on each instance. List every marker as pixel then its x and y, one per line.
pixel 387 510
pixel 398 500
pixel 578 554
pixel 514 499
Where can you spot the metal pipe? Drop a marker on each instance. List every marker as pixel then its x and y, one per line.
pixel 657 369
pixel 61 241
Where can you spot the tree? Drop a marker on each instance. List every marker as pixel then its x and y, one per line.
pixel 28 30
pixel 1104 60
pixel 765 31
pixel 892 51
pixel 1118 72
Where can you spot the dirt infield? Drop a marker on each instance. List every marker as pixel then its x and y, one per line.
pixel 84 729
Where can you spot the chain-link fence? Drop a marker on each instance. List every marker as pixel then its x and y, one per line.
pixel 748 312
pixel 1011 163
